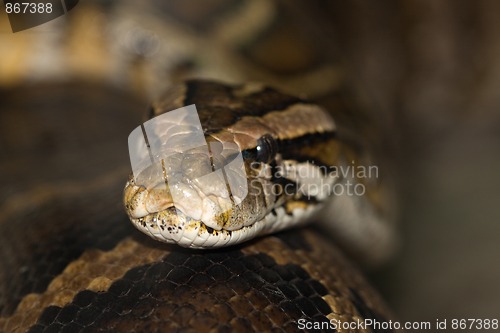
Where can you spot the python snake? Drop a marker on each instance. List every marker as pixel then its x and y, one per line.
pixel 70 259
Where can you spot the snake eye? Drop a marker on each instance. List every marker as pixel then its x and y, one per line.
pixel 267 148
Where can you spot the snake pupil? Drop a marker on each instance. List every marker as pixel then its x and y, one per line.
pixel 267 148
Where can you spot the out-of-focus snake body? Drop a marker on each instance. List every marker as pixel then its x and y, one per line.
pixel 71 260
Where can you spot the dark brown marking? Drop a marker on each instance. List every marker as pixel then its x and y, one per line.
pixel 198 291
pixel 218 107
pixel 313 147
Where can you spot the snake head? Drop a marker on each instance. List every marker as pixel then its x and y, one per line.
pixel 212 174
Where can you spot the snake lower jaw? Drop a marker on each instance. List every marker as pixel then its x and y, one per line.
pixel 173 227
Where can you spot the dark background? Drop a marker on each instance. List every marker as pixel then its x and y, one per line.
pixel 433 68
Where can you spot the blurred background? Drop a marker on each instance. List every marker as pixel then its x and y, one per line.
pixel 434 67
pixel 427 72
